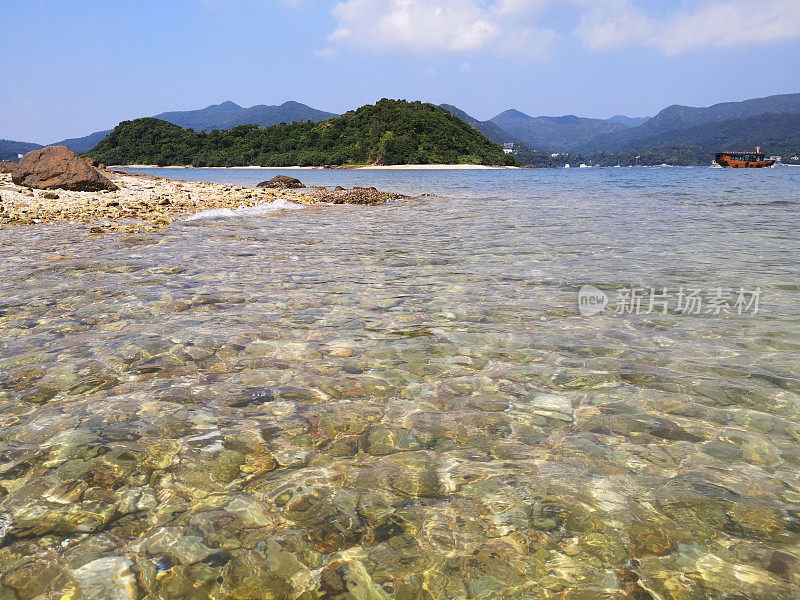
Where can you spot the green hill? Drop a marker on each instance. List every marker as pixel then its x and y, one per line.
pixel 390 132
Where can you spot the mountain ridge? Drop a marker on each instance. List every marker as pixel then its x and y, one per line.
pixel 487 128
pixel 568 133
pixel 224 115
pixel 553 133
pixel 10 149
pixel 227 115
pixel 629 121
pixel 677 117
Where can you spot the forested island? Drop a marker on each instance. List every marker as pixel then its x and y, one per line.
pixel 391 132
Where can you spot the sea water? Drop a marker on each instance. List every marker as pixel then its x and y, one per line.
pixel 531 384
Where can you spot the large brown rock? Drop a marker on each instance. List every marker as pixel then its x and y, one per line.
pixel 6 166
pixel 281 182
pixel 58 167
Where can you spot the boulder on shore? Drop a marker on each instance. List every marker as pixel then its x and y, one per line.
pixel 92 162
pixel 6 166
pixel 281 182
pixel 58 167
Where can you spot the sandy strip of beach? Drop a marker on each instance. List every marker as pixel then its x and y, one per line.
pixel 432 168
pixel 364 168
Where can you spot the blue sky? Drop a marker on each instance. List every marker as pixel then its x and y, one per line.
pixel 76 67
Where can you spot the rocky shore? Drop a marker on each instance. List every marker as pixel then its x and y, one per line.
pixel 147 203
pixel 141 203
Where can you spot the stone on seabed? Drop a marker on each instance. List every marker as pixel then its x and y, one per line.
pixel 553 407
pixel 107 578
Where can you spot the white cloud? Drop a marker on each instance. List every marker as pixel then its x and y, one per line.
pixel 417 26
pixel 614 24
pixel 732 23
pixel 214 3
pixel 325 53
pixel 513 28
pixel 715 23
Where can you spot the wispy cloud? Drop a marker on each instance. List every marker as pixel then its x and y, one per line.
pixel 325 53
pixel 513 28
pixel 713 24
pixel 451 26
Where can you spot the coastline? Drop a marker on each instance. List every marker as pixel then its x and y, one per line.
pixel 145 202
pixel 142 202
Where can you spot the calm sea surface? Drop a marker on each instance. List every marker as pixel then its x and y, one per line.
pixel 408 401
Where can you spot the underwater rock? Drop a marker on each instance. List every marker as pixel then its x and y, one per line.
pixel 187 549
pixel 5 527
pixel 552 407
pixel 391 440
pixel 107 578
pixel 40 518
pixel 651 538
pixel 412 474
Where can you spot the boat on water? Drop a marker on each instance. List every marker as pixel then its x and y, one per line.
pixel 744 160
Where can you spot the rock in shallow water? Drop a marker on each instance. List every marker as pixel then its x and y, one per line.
pixel 107 578
pixel 553 407
pixel 411 473
pixel 281 182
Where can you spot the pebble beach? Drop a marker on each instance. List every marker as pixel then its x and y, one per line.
pixel 142 202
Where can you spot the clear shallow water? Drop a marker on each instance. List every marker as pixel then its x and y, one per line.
pixel 403 401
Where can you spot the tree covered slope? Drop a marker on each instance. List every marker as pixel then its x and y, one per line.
pixel 390 132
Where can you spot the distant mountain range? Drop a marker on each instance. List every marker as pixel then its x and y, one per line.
pixel 683 118
pixel 229 115
pixel 768 122
pixel 629 121
pixel 777 133
pixel 554 133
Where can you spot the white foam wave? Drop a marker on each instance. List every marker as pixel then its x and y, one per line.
pixel 244 211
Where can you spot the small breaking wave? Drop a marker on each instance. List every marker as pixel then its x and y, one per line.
pixel 244 211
